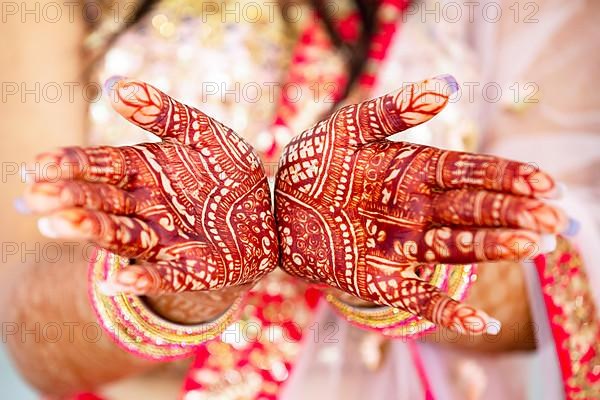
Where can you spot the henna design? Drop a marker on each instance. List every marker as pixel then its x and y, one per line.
pixel 195 307
pixel 368 216
pixel 194 209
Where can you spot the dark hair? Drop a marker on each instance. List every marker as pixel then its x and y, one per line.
pixel 355 52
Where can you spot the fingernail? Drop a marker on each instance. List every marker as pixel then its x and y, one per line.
pixel 134 279
pixel 127 277
pixel 57 226
pixel 110 83
pixel 118 285
pixel 493 326
pixel 21 206
pixel 110 288
pixel 572 228
pixel 547 243
pixel 45 227
pixel 451 81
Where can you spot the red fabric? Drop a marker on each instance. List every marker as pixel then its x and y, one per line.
pixel 574 353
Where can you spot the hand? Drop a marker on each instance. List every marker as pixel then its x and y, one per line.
pixel 367 215
pixel 194 210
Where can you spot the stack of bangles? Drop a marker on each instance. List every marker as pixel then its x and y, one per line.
pixel 396 323
pixel 136 328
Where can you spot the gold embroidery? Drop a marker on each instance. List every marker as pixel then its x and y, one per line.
pixel 566 283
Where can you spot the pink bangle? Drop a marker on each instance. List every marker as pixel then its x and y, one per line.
pixel 136 328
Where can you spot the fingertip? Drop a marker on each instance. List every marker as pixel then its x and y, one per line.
pixel 541 184
pixel 547 243
pixel 556 193
pixel 493 326
pixel 40 197
pixel 50 166
pixel 109 84
pixel 562 221
pixel 123 91
pixel 515 245
pixel 135 279
pixel 46 228
pixel 43 165
pixel 543 218
pixel 109 288
pixel 467 319
pixel 129 276
pixel 450 83
pixel 66 224
pixel 137 101
pixel 130 280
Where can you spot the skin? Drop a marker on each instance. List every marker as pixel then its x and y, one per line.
pixel 372 217
pixel 194 210
pixel 54 338
pixel 83 357
pixel 57 46
pixel 72 193
pixel 125 200
pixel 62 286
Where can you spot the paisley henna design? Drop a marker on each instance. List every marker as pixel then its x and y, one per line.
pixel 194 210
pixel 370 216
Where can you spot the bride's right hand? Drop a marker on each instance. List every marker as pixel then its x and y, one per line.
pixel 193 210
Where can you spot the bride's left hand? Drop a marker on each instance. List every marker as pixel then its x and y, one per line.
pixel 368 216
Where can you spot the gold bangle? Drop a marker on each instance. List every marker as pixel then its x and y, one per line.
pixel 136 328
pixel 398 323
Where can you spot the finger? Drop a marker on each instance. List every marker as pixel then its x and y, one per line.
pixel 457 170
pixel 394 112
pixel 103 164
pixel 491 209
pixel 158 113
pixel 462 246
pixel 425 300
pixel 162 277
pixel 125 236
pixel 45 197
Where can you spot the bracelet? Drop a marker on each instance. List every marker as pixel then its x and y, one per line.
pixel 136 328
pixel 397 323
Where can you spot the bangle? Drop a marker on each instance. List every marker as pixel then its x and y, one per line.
pixel 136 328
pixel 397 323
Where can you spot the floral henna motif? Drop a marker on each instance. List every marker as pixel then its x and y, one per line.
pixel 370 216
pixel 194 210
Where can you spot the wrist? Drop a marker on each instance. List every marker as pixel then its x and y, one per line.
pixel 350 299
pixel 195 307
pixel 55 294
pixel 137 328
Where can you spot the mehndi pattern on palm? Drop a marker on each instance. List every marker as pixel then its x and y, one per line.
pixel 368 216
pixel 194 209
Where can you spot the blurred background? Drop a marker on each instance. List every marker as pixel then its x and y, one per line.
pixel 528 72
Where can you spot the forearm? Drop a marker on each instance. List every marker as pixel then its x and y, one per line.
pixel 58 345
pixel 53 336
pixel 195 307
